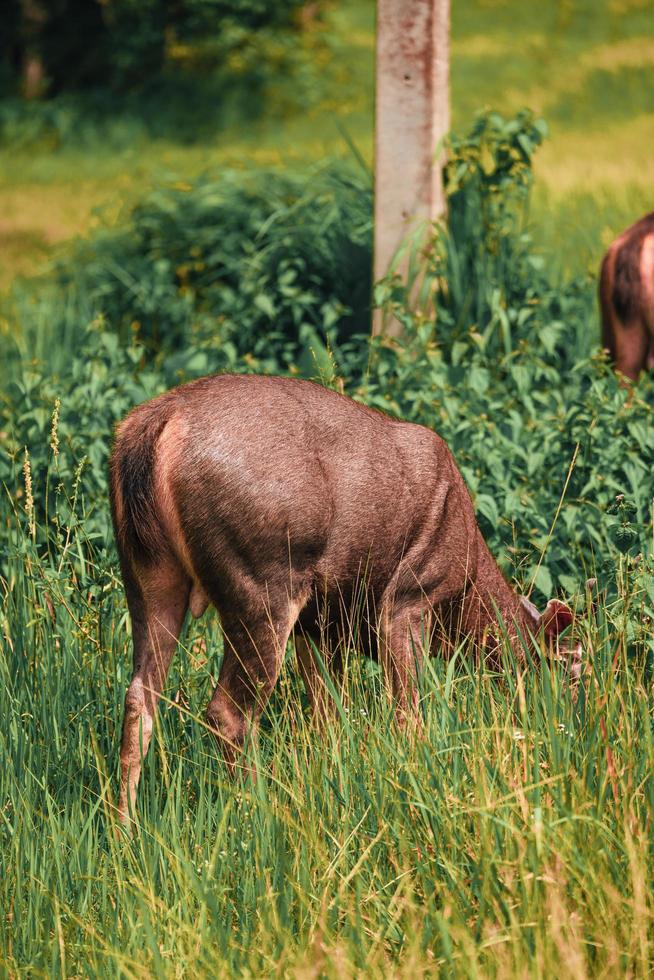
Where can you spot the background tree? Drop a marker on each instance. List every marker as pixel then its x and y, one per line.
pixel 48 46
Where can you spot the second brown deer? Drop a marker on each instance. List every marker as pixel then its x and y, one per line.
pixel 280 502
pixel 626 292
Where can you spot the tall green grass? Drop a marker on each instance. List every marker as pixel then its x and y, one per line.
pixel 512 838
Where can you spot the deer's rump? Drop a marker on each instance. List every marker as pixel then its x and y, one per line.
pixel 260 484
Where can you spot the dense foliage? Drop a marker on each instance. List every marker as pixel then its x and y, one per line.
pixel 73 44
pixel 519 830
pixel 261 263
pixel 270 273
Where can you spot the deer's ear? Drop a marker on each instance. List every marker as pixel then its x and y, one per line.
pixel 532 612
pixel 556 618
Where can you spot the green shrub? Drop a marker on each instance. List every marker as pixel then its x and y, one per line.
pixel 268 273
pixel 265 262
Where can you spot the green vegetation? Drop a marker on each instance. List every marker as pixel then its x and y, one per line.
pixel 253 260
pixel 513 839
pixel 515 836
pixel 53 46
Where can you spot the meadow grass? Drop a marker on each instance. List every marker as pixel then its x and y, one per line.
pixel 513 837
pixel 587 67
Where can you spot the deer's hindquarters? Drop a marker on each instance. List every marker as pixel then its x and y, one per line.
pixel 626 295
pixel 278 500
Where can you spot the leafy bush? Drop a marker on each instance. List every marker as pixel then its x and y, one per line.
pixel 266 274
pixel 488 180
pixel 482 270
pixel 264 262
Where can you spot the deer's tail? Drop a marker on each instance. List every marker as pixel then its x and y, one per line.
pixel 138 530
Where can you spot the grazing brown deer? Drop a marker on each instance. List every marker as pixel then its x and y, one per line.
pixel 626 293
pixel 275 499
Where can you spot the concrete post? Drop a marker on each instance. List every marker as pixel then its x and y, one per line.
pixel 412 116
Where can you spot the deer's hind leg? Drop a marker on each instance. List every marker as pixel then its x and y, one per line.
pixel 254 652
pixel 158 600
pixel 632 346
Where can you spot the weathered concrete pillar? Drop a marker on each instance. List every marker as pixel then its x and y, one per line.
pixel 412 116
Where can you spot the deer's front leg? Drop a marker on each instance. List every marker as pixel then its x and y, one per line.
pixel 403 638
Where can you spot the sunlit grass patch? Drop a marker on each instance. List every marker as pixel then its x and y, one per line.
pixel 514 832
pixel 590 188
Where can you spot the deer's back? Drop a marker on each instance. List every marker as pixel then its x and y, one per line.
pixel 257 474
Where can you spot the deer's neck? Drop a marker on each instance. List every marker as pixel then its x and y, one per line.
pixel 491 602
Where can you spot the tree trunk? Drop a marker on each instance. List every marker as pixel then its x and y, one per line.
pixel 412 119
pixel 32 21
